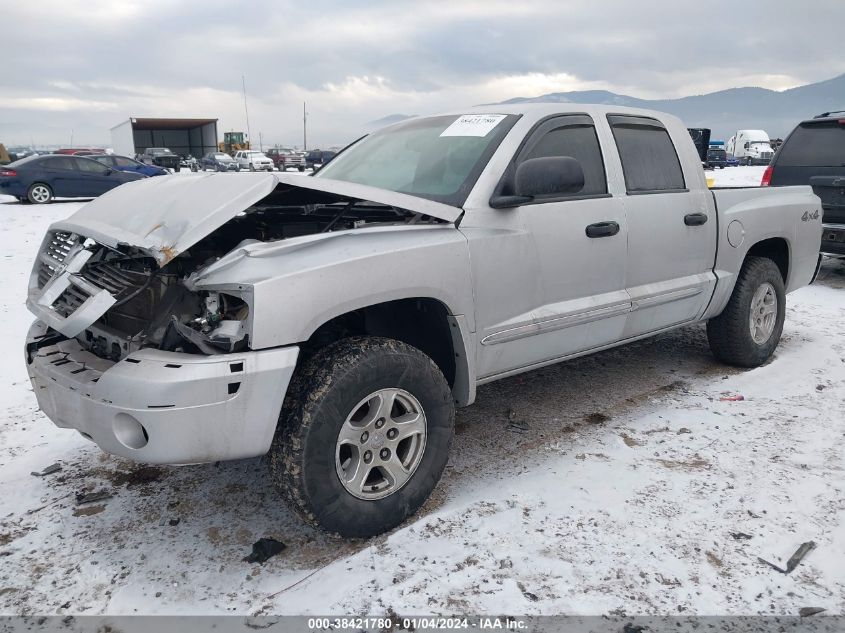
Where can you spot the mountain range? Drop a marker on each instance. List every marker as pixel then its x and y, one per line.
pixel 726 111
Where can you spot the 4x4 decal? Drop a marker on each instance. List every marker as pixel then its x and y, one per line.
pixel 810 216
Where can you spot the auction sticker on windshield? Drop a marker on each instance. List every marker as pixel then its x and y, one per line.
pixel 473 125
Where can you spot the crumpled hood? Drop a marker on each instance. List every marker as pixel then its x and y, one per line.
pixel 166 216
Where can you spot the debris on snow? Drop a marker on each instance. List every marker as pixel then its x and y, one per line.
pixel 518 426
pixel 806 612
pixel 732 398
pixel 264 549
pixel 88 511
pixel 797 557
pixel 52 468
pixel 741 536
pixel 91 497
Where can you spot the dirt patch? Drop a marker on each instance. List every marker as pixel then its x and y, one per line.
pixel 630 441
pixel 13 535
pixel 714 560
pixel 137 477
pixel 694 463
pixel 596 418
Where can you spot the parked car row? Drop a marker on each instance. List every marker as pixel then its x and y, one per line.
pixel 254 160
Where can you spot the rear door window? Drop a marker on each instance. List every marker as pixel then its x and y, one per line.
pixel 814 145
pixel 649 159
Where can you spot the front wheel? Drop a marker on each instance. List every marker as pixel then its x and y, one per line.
pixel 301 168
pixel 363 436
pixel 748 330
pixel 39 193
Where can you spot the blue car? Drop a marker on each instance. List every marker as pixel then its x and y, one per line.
pixel 39 179
pixel 124 163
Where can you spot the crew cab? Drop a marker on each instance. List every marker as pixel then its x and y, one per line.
pixel 334 322
pixel 253 160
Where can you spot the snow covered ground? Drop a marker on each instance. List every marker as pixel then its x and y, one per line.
pixel 616 483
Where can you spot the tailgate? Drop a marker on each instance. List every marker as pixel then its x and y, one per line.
pixel 831 190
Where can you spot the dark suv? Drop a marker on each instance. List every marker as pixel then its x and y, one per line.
pixel 716 158
pixel 814 154
pixel 316 158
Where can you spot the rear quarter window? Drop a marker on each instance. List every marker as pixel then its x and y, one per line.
pixel 814 145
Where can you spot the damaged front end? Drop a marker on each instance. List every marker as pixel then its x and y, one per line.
pixel 147 339
pixel 115 301
pixel 125 272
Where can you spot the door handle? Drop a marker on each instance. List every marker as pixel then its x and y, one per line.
pixel 602 229
pixel 695 219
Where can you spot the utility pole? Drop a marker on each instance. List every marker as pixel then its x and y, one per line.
pixel 246 111
pixel 260 141
pixel 304 128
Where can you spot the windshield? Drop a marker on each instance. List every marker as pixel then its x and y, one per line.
pixel 438 158
pixel 159 150
pixel 222 157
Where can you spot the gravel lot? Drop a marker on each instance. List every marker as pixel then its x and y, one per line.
pixel 617 483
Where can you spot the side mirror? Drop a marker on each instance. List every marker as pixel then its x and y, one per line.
pixel 108 172
pixel 548 176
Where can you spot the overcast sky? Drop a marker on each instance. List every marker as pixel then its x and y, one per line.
pixel 88 65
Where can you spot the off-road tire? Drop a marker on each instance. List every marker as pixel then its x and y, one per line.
pixel 33 190
pixel 729 333
pixel 323 392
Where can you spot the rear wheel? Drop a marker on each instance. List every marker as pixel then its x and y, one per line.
pixel 363 436
pixel 39 193
pixel 748 330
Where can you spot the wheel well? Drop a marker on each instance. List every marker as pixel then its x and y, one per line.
pixel 776 249
pixel 420 322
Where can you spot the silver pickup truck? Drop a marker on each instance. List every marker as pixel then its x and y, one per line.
pixel 336 321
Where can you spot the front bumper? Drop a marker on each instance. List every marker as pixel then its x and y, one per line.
pixel 162 407
pixel 833 239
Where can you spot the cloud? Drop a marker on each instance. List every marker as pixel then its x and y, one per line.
pixel 86 65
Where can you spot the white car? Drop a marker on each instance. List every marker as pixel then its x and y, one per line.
pixel 253 160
